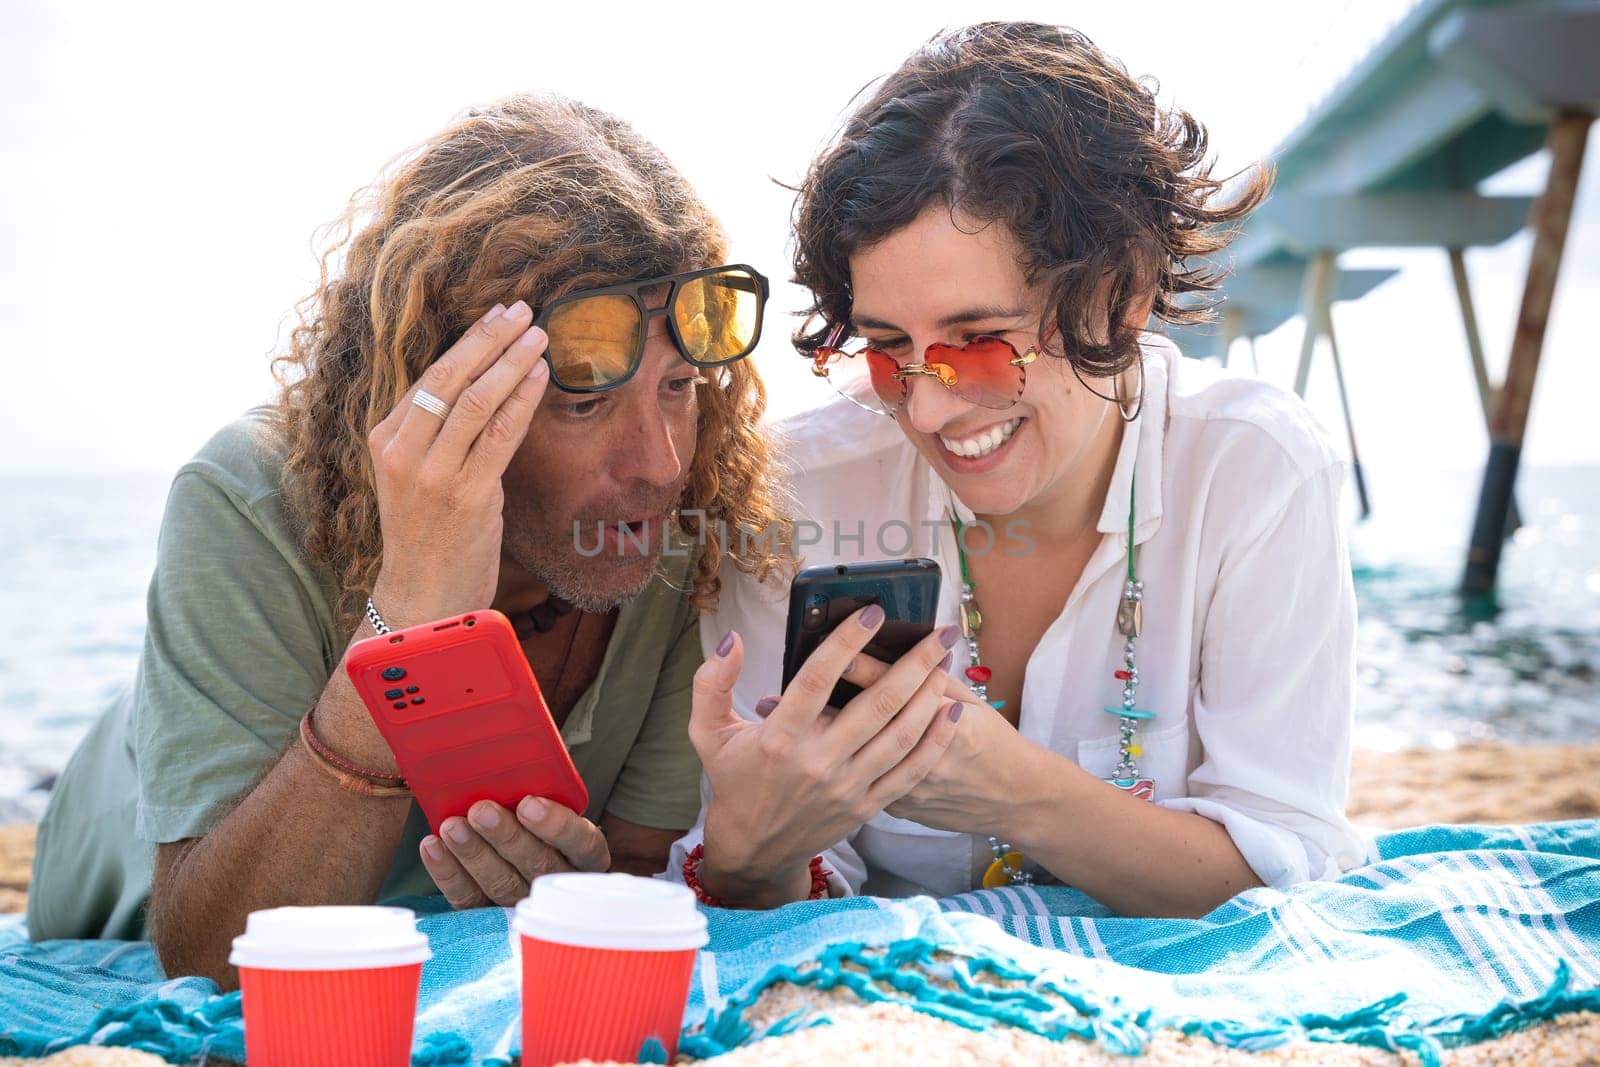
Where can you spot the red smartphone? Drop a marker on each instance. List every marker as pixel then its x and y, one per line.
pixel 460 708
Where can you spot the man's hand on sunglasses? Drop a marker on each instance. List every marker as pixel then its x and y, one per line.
pixel 438 478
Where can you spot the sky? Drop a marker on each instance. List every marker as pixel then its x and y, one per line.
pixel 168 166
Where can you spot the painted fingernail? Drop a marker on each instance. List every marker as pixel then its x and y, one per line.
pixel 432 849
pixel 531 809
pixel 456 830
pixel 725 645
pixel 955 710
pixel 517 311
pixel 765 705
pixel 944 664
pixel 871 617
pixel 485 815
pixel 949 635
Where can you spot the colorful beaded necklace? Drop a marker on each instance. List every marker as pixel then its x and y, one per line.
pixel 1007 866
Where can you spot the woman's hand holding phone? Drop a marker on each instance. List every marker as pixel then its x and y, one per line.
pixel 972 787
pixel 864 670
pixel 493 855
pixel 801 780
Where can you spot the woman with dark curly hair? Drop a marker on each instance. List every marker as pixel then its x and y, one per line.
pixel 1148 601
pixel 418 464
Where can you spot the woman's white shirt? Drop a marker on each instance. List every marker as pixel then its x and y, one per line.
pixel 1248 647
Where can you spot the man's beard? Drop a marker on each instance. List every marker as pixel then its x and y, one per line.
pixel 594 583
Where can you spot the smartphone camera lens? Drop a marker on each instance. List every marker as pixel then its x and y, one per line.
pixel 393 674
pixel 816 612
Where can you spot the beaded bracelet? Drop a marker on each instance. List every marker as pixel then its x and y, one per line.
pixel 351 779
pixel 691 878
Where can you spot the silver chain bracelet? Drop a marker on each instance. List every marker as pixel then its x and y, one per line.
pixel 375 619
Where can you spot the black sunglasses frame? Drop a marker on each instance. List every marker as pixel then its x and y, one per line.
pixel 634 291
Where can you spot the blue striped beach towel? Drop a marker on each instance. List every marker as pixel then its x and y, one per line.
pixel 1456 935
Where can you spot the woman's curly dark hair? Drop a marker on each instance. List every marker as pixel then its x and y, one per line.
pixel 1029 125
pixel 531 197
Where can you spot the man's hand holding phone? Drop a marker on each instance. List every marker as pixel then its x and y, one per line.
pixel 459 706
pixel 794 784
pixel 493 855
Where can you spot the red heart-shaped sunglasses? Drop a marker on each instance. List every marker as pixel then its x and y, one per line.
pixel 987 370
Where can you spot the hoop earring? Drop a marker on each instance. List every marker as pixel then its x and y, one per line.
pixel 1116 391
pixel 1122 408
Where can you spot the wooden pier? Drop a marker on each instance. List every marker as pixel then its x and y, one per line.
pixel 1392 158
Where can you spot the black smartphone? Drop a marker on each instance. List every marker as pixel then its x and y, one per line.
pixel 820 598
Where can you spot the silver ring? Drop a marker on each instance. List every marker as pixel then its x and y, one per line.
pixel 430 403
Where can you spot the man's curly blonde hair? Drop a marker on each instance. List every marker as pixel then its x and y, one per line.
pixel 531 197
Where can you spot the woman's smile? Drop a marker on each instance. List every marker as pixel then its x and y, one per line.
pixel 981 450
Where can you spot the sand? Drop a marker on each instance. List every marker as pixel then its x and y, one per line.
pixel 84 1056
pixel 1492 783
pixel 891 1034
pixel 16 866
pixel 1478 783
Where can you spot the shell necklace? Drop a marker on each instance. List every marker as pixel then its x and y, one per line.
pixel 1007 868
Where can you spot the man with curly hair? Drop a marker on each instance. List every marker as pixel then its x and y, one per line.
pixel 418 456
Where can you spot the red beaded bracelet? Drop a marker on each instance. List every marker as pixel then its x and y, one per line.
pixel 691 878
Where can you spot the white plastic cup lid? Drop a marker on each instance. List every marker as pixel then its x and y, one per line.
pixel 332 938
pixel 617 911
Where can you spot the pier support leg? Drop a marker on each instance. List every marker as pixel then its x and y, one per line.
pixel 1315 295
pixel 1480 368
pixel 1231 321
pixel 1552 213
pixel 1349 424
